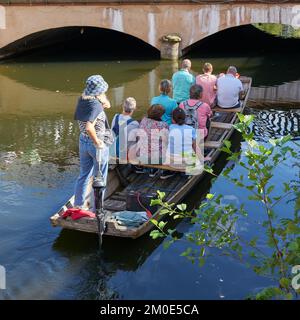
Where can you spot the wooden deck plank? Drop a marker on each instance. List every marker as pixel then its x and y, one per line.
pixel 114 205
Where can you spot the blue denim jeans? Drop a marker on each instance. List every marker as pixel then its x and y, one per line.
pixel 89 166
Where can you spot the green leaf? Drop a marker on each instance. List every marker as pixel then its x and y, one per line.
pixel 210 196
pixel 161 195
pixel 182 207
pixel 253 242
pixel 270 189
pixel 273 142
pixel 161 224
pixel 186 253
pixel 155 202
pixel 202 251
pixel 293 246
pixel 227 144
pixel 154 234
pixel 164 211
pixel 171 231
pixel 154 222
pixel 167 244
pixel 201 262
pixel 285 283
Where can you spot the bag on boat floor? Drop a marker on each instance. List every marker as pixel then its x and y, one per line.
pixel 130 218
pixel 136 201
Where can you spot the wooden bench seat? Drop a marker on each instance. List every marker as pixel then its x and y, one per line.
pixel 218 109
pixel 221 125
pixel 212 144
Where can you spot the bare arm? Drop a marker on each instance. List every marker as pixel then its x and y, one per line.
pixel 242 94
pixel 90 129
pixel 194 145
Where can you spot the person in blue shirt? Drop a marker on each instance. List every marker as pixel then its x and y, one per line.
pixel 181 144
pixel 163 99
pixel 182 81
pixel 182 137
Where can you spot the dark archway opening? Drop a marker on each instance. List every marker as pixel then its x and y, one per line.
pixel 79 44
pixel 244 39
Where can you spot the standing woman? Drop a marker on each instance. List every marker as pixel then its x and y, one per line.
pixel 94 134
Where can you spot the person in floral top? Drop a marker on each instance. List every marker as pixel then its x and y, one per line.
pixel 153 140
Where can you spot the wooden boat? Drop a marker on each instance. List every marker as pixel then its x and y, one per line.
pixel 175 188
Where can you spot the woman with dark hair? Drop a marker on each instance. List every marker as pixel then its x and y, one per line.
pixel 182 139
pixel 153 137
pixel 198 113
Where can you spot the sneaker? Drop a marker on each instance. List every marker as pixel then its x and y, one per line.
pixel 153 173
pixel 167 174
pixel 138 169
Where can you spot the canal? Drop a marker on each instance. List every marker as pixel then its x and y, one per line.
pixel 39 165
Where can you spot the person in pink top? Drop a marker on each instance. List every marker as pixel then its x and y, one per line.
pixel 197 112
pixel 208 81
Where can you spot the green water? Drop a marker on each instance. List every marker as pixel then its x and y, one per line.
pixel 39 165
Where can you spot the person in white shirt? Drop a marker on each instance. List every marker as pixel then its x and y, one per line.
pixel 122 125
pixel 229 89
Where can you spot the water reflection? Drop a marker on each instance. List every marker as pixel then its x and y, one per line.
pixel 275 124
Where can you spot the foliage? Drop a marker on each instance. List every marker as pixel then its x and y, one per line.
pixel 279 30
pixel 277 249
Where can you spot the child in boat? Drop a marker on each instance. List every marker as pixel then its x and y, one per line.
pixel 123 125
pixel 198 113
pixel 208 81
pixel 163 99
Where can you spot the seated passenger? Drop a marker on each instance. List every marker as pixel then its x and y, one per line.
pixel 122 125
pixel 163 99
pixel 197 112
pixel 230 89
pixel 182 81
pixel 208 82
pixel 182 140
pixel 153 137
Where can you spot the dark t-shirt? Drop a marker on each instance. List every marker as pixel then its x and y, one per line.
pixel 91 110
pixel 88 110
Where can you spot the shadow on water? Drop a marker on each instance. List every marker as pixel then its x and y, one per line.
pixel 117 254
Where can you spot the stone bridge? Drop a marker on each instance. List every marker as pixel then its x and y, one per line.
pixel 150 21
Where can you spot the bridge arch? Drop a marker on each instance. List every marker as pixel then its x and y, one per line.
pixel 148 22
pixel 243 38
pixel 83 39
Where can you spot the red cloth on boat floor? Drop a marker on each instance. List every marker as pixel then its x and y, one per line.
pixel 76 214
